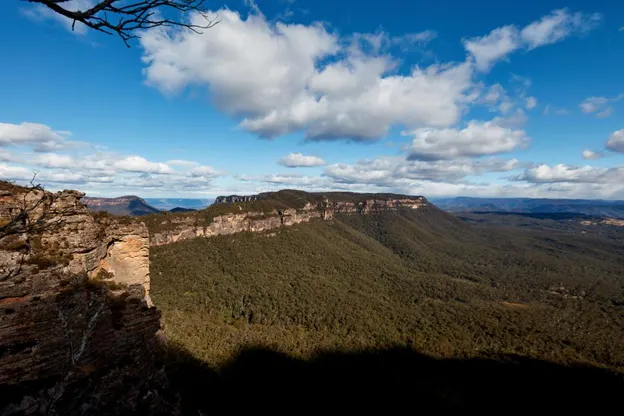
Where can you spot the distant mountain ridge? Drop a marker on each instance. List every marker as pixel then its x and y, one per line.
pixel 123 205
pixel 597 208
pixel 169 204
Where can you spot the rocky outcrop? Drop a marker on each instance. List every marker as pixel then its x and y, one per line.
pixel 68 234
pixel 171 230
pixel 605 221
pixel 77 333
pixel 232 199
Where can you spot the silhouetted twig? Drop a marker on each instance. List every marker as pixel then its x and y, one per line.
pixel 125 18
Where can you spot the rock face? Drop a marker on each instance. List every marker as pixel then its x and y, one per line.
pixel 72 236
pixel 186 227
pixel 77 333
pixel 235 198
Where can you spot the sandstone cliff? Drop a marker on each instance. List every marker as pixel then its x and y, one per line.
pixel 77 333
pixel 170 229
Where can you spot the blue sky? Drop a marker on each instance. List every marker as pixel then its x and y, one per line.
pixel 435 98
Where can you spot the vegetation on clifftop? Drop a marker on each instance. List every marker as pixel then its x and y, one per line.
pixel 265 204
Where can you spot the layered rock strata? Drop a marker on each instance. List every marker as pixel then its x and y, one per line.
pixel 77 333
pixel 173 229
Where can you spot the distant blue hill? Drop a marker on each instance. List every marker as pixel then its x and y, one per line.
pixel 166 204
pixel 597 207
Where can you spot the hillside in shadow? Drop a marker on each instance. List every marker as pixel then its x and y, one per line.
pixel 390 380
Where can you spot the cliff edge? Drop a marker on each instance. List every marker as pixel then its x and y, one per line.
pixel 77 330
pixel 267 211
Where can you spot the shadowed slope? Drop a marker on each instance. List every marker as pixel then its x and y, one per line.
pixel 391 381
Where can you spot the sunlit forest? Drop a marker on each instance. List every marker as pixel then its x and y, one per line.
pixel 417 279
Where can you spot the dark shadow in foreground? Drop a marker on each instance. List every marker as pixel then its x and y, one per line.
pixel 389 380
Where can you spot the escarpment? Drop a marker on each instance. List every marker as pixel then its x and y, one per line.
pixel 264 212
pixel 77 330
pixel 59 230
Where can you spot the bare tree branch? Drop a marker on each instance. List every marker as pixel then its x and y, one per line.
pixel 126 17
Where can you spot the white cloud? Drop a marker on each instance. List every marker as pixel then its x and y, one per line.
pixel 40 136
pixel 557 26
pixel 616 141
pixel 530 103
pixel 600 106
pixel 500 42
pixel 204 172
pixel 493 47
pixel 418 38
pixel 593 104
pixel 278 79
pixel 476 139
pixel 140 164
pixel 554 110
pixel 440 178
pixel 55 160
pixel 296 160
pixel 182 163
pixel 6 156
pixel 13 173
pixel 605 113
pixel 496 99
pixel 381 41
pixel 397 172
pixel 289 181
pixel 591 155
pixel 574 174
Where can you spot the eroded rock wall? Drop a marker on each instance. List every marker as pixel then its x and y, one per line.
pixel 78 334
pixel 186 227
pixel 70 235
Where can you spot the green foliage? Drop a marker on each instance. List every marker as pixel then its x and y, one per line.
pixel 417 278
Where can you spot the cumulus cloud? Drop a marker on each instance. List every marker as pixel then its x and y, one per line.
pixel 616 141
pixel 557 26
pixel 14 173
pixel 476 139
pixel 141 165
pixel 450 177
pixel 500 42
pixel 573 174
pixel 299 160
pixel 488 49
pixel 40 136
pixel 530 103
pixel 289 180
pixel 6 156
pixel 183 163
pixel 496 99
pixel 599 106
pixel 395 174
pixel 398 172
pixel 591 155
pixel 280 78
pixel 119 174
pixel 55 160
pixel 205 172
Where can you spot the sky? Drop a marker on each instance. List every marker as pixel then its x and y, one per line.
pixel 444 98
